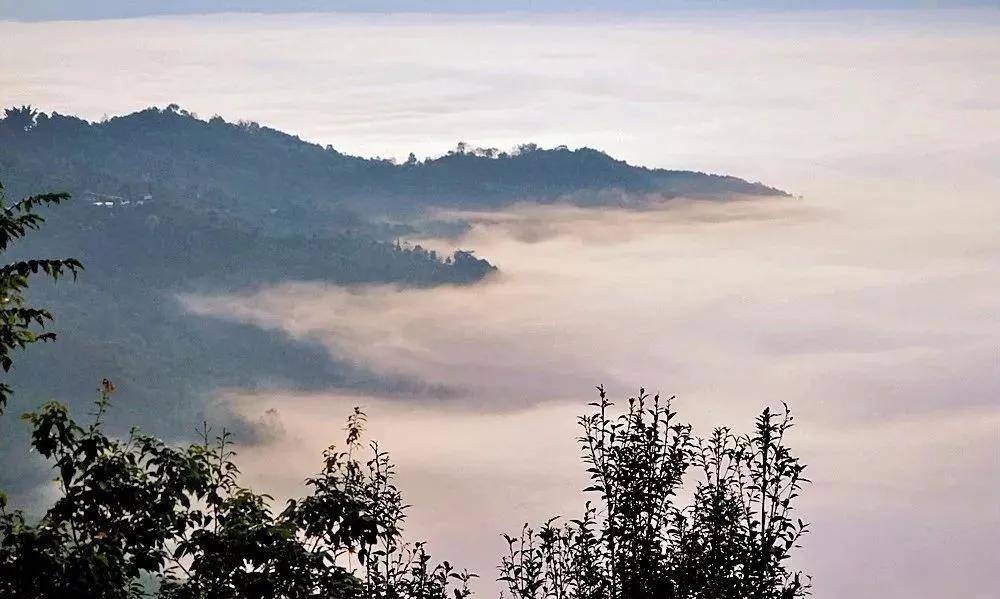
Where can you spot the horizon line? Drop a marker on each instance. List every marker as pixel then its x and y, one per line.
pixel 32 14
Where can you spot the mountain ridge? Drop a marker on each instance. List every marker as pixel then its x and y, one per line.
pixel 254 172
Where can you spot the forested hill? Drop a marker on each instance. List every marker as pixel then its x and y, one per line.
pixel 166 203
pixel 122 319
pixel 146 238
pixel 274 179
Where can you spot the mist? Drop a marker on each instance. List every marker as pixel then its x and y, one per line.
pixel 880 333
pixel 868 304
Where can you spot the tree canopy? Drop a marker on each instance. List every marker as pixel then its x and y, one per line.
pixel 641 540
pixel 21 324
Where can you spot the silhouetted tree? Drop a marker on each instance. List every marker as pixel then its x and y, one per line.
pixel 133 511
pixel 731 541
pixel 20 323
pixel 19 119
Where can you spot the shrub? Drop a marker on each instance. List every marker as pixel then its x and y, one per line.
pixel 731 539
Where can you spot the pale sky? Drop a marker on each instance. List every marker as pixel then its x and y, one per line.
pixel 98 9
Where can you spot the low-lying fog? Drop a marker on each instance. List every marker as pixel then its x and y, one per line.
pixel 869 305
pixel 879 330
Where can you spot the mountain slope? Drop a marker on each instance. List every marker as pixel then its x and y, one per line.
pixel 277 181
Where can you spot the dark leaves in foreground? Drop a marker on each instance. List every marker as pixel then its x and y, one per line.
pixel 731 540
pixel 20 324
pixel 135 517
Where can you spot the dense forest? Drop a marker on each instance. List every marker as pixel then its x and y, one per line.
pixel 273 180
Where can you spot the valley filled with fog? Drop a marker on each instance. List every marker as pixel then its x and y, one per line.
pixel 866 301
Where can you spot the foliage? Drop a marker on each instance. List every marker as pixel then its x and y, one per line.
pixel 19 323
pixel 733 539
pixel 119 504
pixel 136 509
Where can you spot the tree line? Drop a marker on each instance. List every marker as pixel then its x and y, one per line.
pixel 249 170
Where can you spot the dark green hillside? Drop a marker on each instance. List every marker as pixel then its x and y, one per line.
pixel 121 319
pixel 276 181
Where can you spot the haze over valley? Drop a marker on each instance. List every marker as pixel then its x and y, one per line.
pixel 737 209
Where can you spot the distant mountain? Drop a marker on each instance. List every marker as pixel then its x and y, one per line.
pixel 263 177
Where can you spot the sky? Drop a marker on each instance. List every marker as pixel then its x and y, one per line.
pixel 100 9
pixel 868 304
